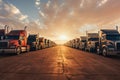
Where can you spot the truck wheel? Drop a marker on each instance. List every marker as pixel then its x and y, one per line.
pixel 18 50
pixel 98 51
pixel 36 48
pixel 91 50
pixel 104 52
pixel 40 47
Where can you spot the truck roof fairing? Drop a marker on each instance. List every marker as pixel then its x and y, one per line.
pixel 17 32
pixel 106 31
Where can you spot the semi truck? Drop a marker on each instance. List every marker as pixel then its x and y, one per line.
pixel 77 43
pixel 42 42
pixel 68 43
pixel 109 42
pixel 92 42
pixel 82 44
pixel 51 43
pixel 15 42
pixel 33 41
pixel 73 43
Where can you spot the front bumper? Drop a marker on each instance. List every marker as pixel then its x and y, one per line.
pixel 113 52
pixel 7 50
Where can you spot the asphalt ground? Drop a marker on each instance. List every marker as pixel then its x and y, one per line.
pixel 59 63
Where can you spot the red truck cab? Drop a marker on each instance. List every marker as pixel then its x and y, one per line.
pixel 15 42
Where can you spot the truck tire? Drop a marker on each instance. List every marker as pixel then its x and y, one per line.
pixel 36 47
pixel 18 50
pixel 40 47
pixel 104 52
pixel 98 51
pixel 91 50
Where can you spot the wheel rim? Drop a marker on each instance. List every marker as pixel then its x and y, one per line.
pixel 104 52
pixel 98 51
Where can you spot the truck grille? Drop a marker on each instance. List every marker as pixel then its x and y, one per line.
pixel 118 46
pixel 3 44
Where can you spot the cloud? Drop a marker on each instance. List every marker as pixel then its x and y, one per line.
pixel 102 2
pixel 71 16
pixel 48 3
pixel 9 14
pixel 41 13
pixel 81 4
pixel 68 17
pixel 37 3
pixel 12 16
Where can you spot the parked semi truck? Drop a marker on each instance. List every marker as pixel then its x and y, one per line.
pixel 73 43
pixel 92 42
pixel 46 43
pixel 82 44
pixel 109 42
pixel 42 42
pixel 15 42
pixel 68 43
pixel 52 44
pixel 77 43
pixel 33 41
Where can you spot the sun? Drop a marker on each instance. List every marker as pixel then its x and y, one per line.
pixel 62 37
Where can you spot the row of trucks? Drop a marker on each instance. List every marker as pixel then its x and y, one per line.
pixel 37 43
pixel 106 42
pixel 17 41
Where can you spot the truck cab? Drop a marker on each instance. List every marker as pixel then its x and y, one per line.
pixel 73 43
pixel 42 42
pixel 33 41
pixel 82 42
pixel 92 42
pixel 77 42
pixel 109 42
pixel 14 42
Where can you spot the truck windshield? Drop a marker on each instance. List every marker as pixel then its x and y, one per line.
pixel 93 39
pixel 83 40
pixel 113 37
pixel 12 37
pixel 32 39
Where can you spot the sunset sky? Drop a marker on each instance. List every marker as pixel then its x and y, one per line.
pixel 60 18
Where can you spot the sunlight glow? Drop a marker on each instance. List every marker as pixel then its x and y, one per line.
pixel 62 37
